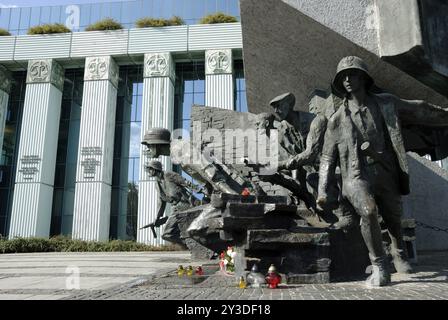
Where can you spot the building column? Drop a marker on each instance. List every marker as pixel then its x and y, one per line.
pixel 5 88
pixel 219 79
pixel 157 112
pixel 33 193
pixel 91 216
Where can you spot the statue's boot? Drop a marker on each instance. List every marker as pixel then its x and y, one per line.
pixel 380 274
pixel 401 264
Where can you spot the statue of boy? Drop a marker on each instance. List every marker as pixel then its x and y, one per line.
pixel 364 137
pixel 174 189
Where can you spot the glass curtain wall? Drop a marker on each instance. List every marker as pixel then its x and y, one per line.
pixel 123 221
pixel 10 147
pixel 190 90
pixel 240 87
pixel 67 154
pixel 78 16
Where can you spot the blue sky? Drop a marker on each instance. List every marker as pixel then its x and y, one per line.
pixel 37 3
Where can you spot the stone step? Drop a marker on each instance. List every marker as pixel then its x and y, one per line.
pixel 275 238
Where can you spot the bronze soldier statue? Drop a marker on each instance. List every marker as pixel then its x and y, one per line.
pixel 214 176
pixel 291 142
pixel 364 137
pixel 174 189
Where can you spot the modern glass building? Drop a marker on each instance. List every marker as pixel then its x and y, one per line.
pixel 78 16
pixel 74 108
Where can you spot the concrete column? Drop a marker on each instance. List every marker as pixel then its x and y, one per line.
pixel 91 216
pixel 219 79
pixel 157 111
pixel 33 193
pixel 5 88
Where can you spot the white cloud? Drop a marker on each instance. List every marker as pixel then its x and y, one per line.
pixel 6 6
pixel 135 144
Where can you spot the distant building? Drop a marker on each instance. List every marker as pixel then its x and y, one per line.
pixel 79 103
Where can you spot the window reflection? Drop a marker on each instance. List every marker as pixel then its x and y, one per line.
pixel 210 6
pixel 35 16
pixel 85 15
pixel 45 15
pixel 14 19
pixel 126 163
pixel 190 83
pixel 95 12
pixel 105 10
pixel 177 8
pixel 56 15
pixel 67 155
pixel 115 11
pixel 125 12
pixel 25 18
pixel 9 151
pixel 4 18
pixel 240 86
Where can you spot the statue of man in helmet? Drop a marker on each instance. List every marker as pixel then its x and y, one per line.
pixel 364 138
pixel 174 189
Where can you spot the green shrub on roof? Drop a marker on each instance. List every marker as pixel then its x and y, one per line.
pixel 48 29
pixel 218 17
pixel 105 24
pixel 4 32
pixel 151 22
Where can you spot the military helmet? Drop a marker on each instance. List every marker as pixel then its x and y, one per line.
pixel 157 136
pixel 285 97
pixel 346 63
pixel 154 164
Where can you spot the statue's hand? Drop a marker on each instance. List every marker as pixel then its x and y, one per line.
pixel 291 163
pixel 282 165
pixel 321 202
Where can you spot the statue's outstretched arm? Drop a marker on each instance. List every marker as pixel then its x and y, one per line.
pixel 419 112
pixel 314 142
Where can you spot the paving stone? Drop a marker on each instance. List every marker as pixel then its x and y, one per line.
pixel 429 282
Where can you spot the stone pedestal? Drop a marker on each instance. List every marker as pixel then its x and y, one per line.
pixel 33 193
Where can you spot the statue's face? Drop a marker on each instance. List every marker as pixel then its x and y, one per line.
pixel 353 80
pixel 152 151
pixel 282 110
pixel 151 172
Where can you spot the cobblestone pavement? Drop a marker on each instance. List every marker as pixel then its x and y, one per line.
pixel 429 282
pixel 51 275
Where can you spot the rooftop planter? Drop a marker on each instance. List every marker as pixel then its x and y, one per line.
pixel 218 17
pixel 217 36
pixel 46 41
pixel 48 29
pixel 120 43
pixel 104 25
pixel 151 22
pixel 4 32
pixel 153 39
